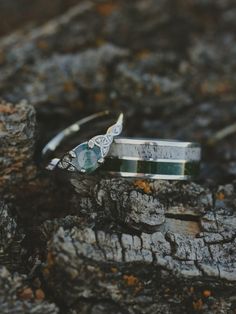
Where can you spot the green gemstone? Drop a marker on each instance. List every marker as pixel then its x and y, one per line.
pixel 87 157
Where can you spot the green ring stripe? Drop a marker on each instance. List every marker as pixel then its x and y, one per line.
pixel 151 167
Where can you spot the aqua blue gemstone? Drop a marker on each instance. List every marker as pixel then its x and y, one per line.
pixel 87 158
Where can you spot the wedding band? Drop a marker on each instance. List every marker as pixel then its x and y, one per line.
pixel 89 155
pixel 153 159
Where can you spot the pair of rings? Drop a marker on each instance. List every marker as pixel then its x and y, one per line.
pixel 122 156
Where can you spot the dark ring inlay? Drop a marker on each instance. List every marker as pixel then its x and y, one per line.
pixel 151 167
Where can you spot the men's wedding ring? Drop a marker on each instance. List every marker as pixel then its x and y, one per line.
pixel 153 159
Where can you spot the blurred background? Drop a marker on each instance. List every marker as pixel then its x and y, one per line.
pixel 19 13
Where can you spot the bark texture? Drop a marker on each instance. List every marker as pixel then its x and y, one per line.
pixel 96 244
pixel 17 138
pixel 17 297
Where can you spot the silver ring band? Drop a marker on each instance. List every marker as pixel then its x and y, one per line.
pixel 151 149
pixel 153 159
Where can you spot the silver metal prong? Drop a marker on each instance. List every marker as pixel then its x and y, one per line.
pixel 90 144
pixel 53 164
pixel 82 170
pixel 101 160
pixel 72 154
pixel 71 168
pixel 60 165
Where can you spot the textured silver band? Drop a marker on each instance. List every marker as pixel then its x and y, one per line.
pixel 153 159
pixel 156 150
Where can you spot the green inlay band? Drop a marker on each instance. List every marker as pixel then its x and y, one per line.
pixel 151 167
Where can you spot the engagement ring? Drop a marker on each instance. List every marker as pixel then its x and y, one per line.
pixel 89 155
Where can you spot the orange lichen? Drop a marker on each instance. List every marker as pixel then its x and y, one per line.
pixel 131 280
pixel 134 282
pixel 46 272
pixel 7 109
pixel 50 260
pixel 143 185
pixel 100 41
pixel 42 44
pixel 198 305
pixel 220 196
pixel 206 293
pixel 223 87
pixel 212 88
pixel 39 295
pixel 26 294
pixel 158 90
pixel 69 86
pixel 100 97
pixel 143 54
pixel 106 9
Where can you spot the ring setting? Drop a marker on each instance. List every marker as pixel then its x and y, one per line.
pixel 88 156
pixel 85 159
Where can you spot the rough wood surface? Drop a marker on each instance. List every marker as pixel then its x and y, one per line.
pixel 97 245
pixel 18 297
pixel 17 138
pixel 140 240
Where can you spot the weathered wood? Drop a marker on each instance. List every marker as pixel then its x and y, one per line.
pixel 17 13
pixel 100 244
pixel 11 237
pixel 17 138
pixel 18 297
